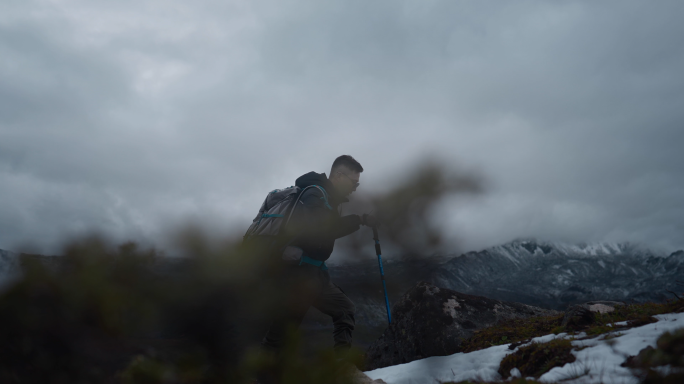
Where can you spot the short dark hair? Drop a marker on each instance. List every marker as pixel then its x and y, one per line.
pixel 348 162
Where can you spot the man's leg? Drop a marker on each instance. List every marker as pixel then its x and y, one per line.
pixel 289 318
pixel 299 291
pixel 334 303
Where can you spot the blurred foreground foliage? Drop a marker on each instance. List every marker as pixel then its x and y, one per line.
pixel 102 314
pixel 412 211
pixel 407 210
pixel 125 315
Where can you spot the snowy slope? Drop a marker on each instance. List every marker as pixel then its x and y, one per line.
pixel 598 363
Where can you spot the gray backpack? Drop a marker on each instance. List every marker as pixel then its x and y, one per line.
pixel 275 213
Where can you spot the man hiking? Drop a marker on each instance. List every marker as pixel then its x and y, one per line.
pixel 314 225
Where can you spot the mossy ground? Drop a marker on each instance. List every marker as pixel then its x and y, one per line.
pixel 538 358
pixel 512 331
pixel 519 330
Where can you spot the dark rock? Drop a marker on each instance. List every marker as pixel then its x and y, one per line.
pixel 577 317
pixel 582 315
pixel 431 321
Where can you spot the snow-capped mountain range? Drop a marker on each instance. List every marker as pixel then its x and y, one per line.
pixel 554 275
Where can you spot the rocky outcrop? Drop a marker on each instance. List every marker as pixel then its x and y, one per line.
pixel 581 315
pixel 432 321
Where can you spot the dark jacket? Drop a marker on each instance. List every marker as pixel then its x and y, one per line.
pixel 315 225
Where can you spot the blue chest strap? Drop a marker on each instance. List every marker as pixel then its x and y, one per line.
pixel 317 263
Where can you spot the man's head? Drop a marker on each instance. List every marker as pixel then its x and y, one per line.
pixel 345 174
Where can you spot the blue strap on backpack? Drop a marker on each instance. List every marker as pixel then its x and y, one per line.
pixel 314 262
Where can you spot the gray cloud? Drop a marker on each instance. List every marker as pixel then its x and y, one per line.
pixel 130 117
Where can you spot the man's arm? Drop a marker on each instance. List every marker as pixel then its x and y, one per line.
pixel 312 217
pixel 313 223
pixel 347 225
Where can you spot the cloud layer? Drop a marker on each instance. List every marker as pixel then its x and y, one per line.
pixel 132 116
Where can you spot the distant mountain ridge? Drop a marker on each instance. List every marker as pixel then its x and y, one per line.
pixel 534 246
pixel 554 275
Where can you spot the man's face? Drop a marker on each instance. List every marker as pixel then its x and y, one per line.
pixel 345 181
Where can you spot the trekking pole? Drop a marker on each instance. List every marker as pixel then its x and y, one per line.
pixel 382 273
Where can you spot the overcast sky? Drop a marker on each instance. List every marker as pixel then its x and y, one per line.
pixel 130 117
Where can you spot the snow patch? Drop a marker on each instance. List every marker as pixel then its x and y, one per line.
pixel 482 364
pixel 618 324
pixel 431 290
pixel 450 307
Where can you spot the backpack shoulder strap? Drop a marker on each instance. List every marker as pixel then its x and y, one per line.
pixel 325 197
pixel 301 193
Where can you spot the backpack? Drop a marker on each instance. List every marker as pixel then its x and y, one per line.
pixel 275 212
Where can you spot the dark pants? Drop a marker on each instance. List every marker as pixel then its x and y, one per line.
pixel 305 286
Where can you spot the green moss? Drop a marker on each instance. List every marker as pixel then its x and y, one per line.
pixel 635 314
pixel 639 312
pixel 512 331
pixel 518 330
pixel 598 330
pixel 536 359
